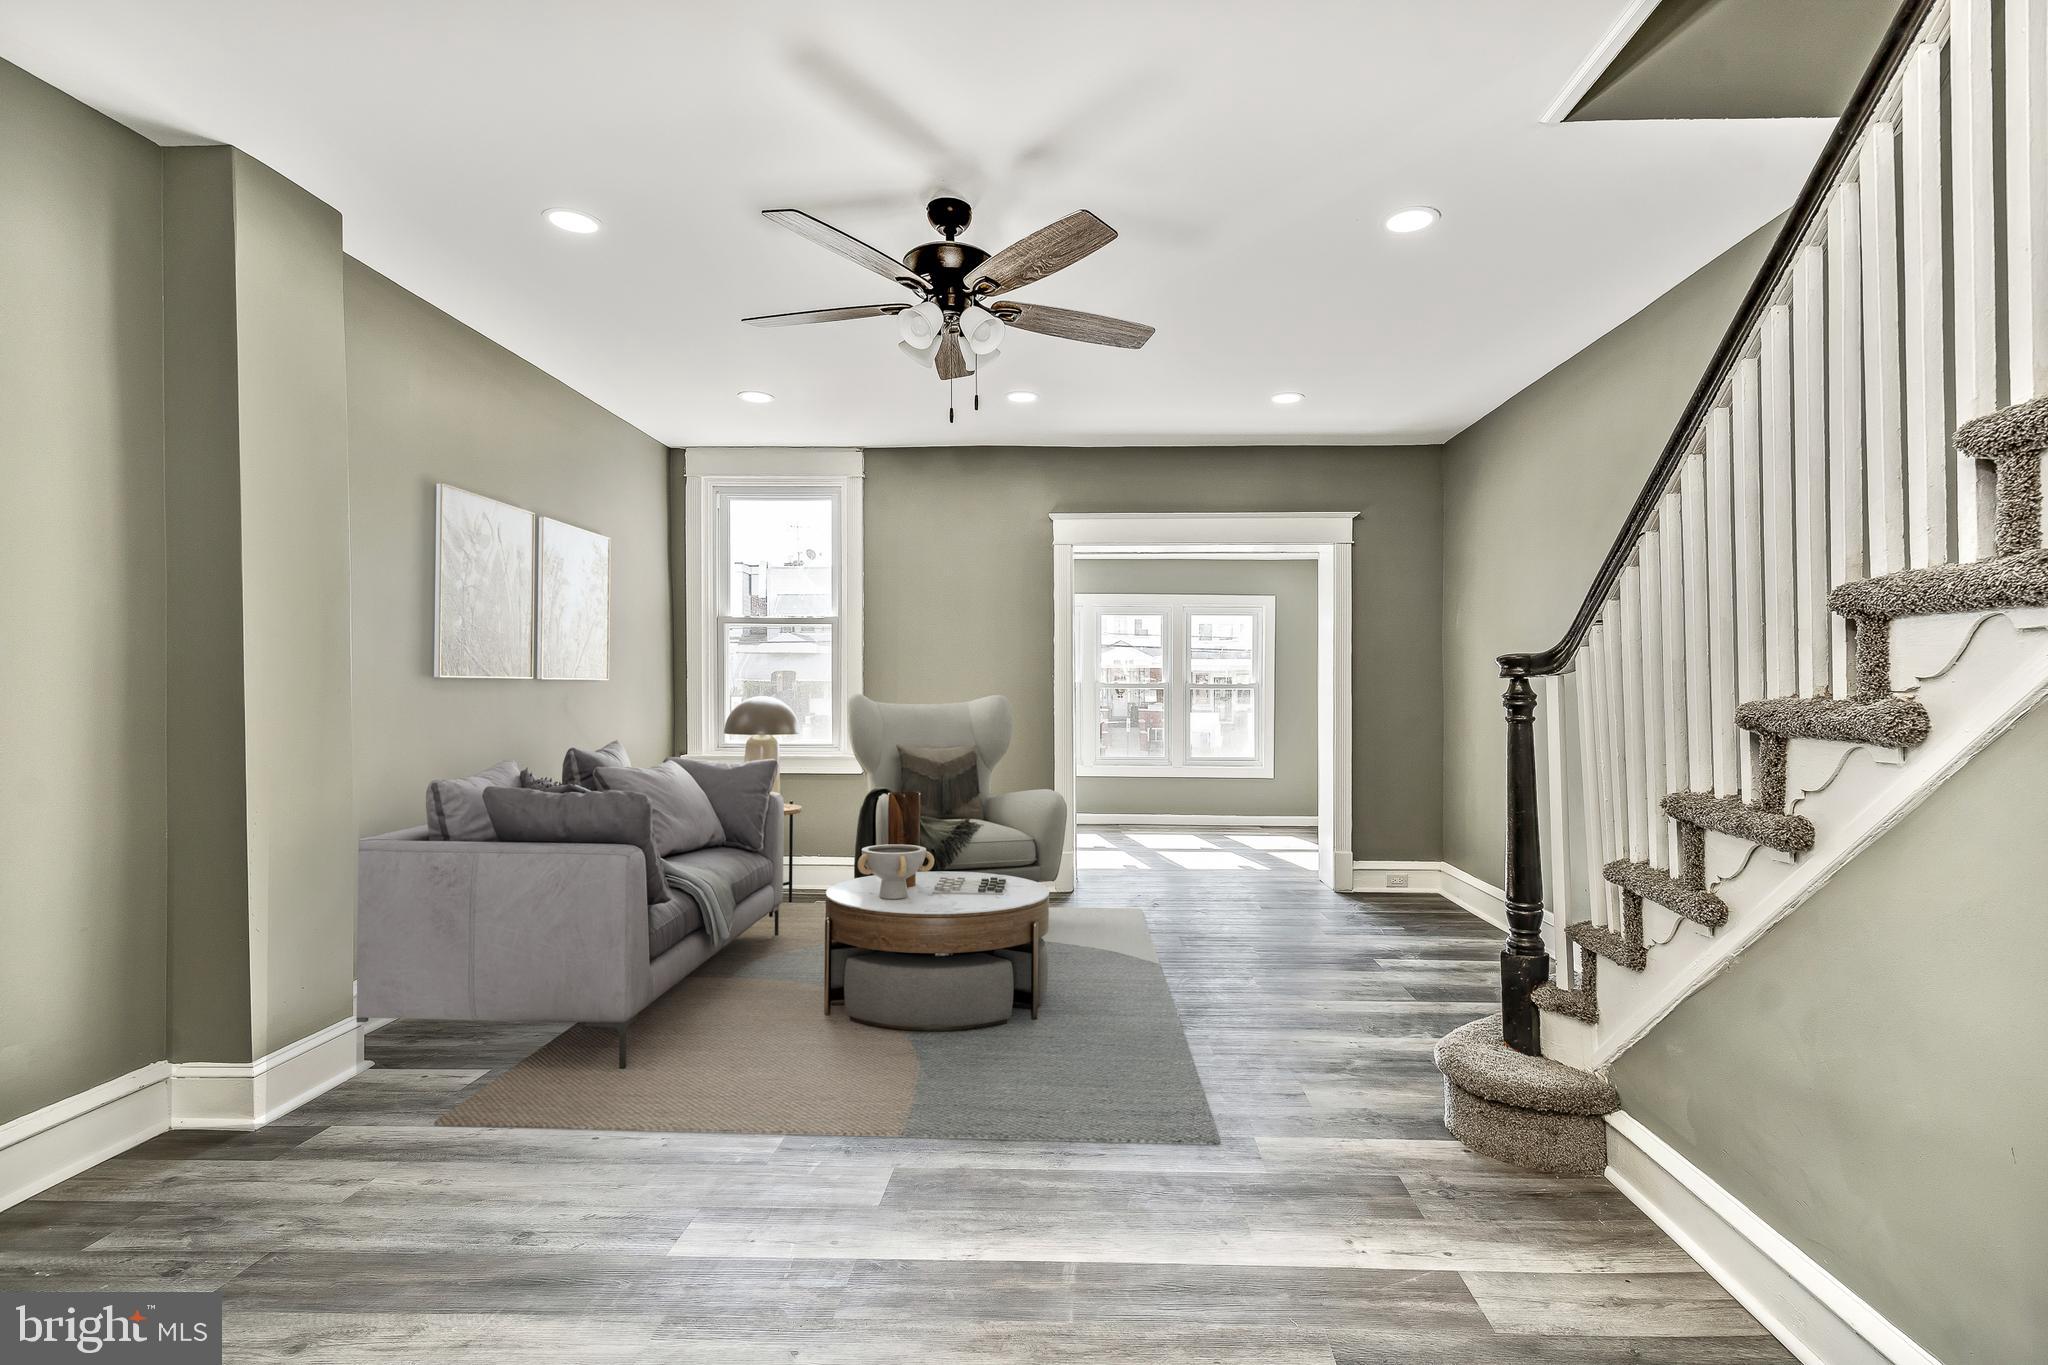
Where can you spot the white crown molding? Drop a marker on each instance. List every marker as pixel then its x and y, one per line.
pixel 1817 1317
pixel 1634 14
pixel 773 462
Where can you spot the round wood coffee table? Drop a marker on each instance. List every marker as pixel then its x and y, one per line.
pixel 939 923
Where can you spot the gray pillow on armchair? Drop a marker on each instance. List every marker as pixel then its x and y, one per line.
pixel 947 780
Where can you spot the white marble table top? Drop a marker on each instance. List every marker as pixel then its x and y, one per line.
pixel 865 893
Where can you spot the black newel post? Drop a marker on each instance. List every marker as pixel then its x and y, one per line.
pixel 1524 965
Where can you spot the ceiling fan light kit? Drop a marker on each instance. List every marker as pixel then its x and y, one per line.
pixel 959 310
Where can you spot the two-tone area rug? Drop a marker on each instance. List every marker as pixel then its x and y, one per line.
pixel 743 1046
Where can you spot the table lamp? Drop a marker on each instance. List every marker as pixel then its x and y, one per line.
pixel 761 719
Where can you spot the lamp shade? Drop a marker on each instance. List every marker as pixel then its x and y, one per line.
pixel 761 716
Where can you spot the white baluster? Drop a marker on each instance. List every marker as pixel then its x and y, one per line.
pixel 1592 777
pixel 1846 525
pixel 1650 621
pixel 1556 824
pixel 1699 701
pixel 1780 582
pixel 1974 212
pixel 1721 600
pixel 1879 205
pixel 1671 612
pixel 1617 748
pixel 1633 753
pixel 1809 468
pixel 1747 459
pixel 2026 198
pixel 1926 411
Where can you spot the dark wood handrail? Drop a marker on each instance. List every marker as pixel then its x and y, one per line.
pixel 1812 202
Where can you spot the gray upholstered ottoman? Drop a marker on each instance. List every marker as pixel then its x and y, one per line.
pixel 928 993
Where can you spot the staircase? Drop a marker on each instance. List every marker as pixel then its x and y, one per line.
pixel 1832 591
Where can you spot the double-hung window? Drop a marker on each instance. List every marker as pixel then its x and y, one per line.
pixel 775 602
pixel 1174 686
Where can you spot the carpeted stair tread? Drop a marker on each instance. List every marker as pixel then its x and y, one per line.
pixel 1687 902
pixel 1732 815
pixel 1608 944
pixel 1894 722
pixel 1582 1005
pixel 2019 580
pixel 1474 1059
pixel 2013 439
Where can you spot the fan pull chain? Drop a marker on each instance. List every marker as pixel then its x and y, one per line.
pixel 977 383
pixel 949 400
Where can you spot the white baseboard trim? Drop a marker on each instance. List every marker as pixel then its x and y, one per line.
pixel 56 1142
pixel 247 1095
pixel 1222 821
pixel 815 872
pixel 1818 1318
pixel 1490 903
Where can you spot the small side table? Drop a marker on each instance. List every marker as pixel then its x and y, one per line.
pixel 790 811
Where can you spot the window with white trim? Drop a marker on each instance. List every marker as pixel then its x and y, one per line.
pixel 1174 685
pixel 775 602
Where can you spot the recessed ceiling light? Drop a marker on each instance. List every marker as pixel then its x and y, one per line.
pixel 1412 220
pixel 569 220
pixel 1022 396
pixel 755 396
pixel 1283 399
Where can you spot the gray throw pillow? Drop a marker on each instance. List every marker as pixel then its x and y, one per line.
pixel 579 766
pixel 524 816
pixel 455 805
pixel 947 781
pixel 739 793
pixel 683 819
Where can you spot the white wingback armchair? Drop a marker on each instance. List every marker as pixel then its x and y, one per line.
pixel 1022 834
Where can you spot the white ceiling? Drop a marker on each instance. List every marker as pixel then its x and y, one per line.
pixel 1247 153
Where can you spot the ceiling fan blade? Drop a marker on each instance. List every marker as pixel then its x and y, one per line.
pixel 952 365
pixel 843 244
pixel 1074 326
pixel 866 310
pixel 1034 257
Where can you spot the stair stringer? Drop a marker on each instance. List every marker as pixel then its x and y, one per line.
pixel 1976 673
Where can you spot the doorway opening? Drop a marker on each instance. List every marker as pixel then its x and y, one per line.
pixel 1203 692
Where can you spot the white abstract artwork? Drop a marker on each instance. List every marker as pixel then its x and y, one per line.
pixel 575 602
pixel 483 586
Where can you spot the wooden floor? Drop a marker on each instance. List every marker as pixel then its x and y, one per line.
pixel 1335 1225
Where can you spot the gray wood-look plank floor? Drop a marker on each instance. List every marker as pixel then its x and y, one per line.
pixel 1336 1224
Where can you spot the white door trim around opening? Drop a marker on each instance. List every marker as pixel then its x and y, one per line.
pixel 1216 821
pixel 1324 537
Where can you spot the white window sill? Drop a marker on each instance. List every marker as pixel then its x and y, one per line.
pixel 1251 770
pixel 802 764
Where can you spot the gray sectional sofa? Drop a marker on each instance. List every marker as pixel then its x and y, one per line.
pixel 521 932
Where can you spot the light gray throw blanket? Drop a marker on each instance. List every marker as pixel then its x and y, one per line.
pixel 712 894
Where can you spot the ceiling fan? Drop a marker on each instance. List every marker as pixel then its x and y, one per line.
pixel 959 310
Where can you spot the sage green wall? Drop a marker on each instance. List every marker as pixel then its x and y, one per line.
pixel 1291 790
pixel 431 401
pixel 82 823
pixel 1868 1079
pixel 958 599
pixel 262 886
pixel 293 402
pixel 209 797
pixel 1534 493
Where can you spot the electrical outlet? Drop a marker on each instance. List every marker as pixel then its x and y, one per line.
pixel 1397 879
